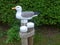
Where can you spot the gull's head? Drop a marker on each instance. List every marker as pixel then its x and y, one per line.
pixel 18 8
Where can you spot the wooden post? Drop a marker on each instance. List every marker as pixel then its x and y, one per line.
pixel 27 36
pixel 24 40
pixel 30 28
pixel 30 40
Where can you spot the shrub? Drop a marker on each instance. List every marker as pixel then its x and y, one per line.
pixel 13 35
pixel 49 11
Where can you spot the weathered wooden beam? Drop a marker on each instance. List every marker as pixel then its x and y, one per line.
pixel 30 28
pixel 23 31
pixel 27 36
pixel 24 41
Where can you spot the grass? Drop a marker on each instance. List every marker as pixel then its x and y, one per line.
pixel 40 38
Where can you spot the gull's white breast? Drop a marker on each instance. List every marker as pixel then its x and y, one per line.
pixel 18 15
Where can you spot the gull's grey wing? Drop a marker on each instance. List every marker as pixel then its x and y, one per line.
pixel 28 14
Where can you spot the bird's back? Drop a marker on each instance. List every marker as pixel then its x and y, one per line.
pixel 28 14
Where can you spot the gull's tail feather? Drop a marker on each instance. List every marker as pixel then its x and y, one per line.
pixel 34 15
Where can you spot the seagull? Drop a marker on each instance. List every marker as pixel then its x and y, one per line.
pixel 24 15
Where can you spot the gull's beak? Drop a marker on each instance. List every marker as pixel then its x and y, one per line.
pixel 14 8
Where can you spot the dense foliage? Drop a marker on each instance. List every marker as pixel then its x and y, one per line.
pixel 13 34
pixel 49 11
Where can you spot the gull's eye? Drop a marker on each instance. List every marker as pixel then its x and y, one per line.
pixel 17 7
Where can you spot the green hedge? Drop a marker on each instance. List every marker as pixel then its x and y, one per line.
pixel 49 11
